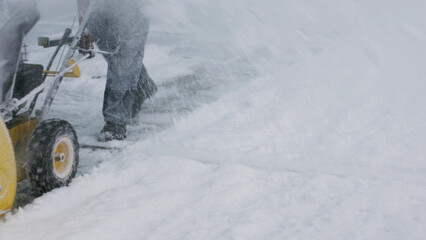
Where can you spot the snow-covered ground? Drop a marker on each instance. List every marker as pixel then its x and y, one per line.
pixel 274 119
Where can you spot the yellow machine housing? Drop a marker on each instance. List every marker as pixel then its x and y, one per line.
pixel 13 156
pixel 20 134
pixel 8 174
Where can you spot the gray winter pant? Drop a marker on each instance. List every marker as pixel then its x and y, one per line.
pixel 115 27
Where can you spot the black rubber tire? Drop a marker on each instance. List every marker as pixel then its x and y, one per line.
pixel 41 163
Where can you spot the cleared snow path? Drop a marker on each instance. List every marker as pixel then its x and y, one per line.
pixel 316 131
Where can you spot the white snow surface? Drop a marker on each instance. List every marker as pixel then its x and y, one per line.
pixel 274 119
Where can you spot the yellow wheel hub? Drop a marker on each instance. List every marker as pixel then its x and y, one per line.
pixel 8 178
pixel 63 157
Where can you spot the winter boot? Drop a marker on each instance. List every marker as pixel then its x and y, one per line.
pixel 112 131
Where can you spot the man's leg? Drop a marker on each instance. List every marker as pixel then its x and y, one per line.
pixel 124 70
pixel 120 94
pixel 146 89
pixel 116 112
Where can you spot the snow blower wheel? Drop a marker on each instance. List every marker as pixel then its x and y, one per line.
pixel 53 155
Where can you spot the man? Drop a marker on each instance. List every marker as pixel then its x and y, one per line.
pixel 121 25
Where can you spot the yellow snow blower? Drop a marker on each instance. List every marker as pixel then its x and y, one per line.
pixel 45 151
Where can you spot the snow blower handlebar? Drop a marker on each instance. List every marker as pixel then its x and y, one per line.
pixel 65 38
pixel 10 107
pixel 7 109
pixel 47 42
pixel 71 51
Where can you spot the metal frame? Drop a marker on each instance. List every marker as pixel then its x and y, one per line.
pixel 10 107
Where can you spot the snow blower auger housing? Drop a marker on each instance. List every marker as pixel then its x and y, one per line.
pixel 45 151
